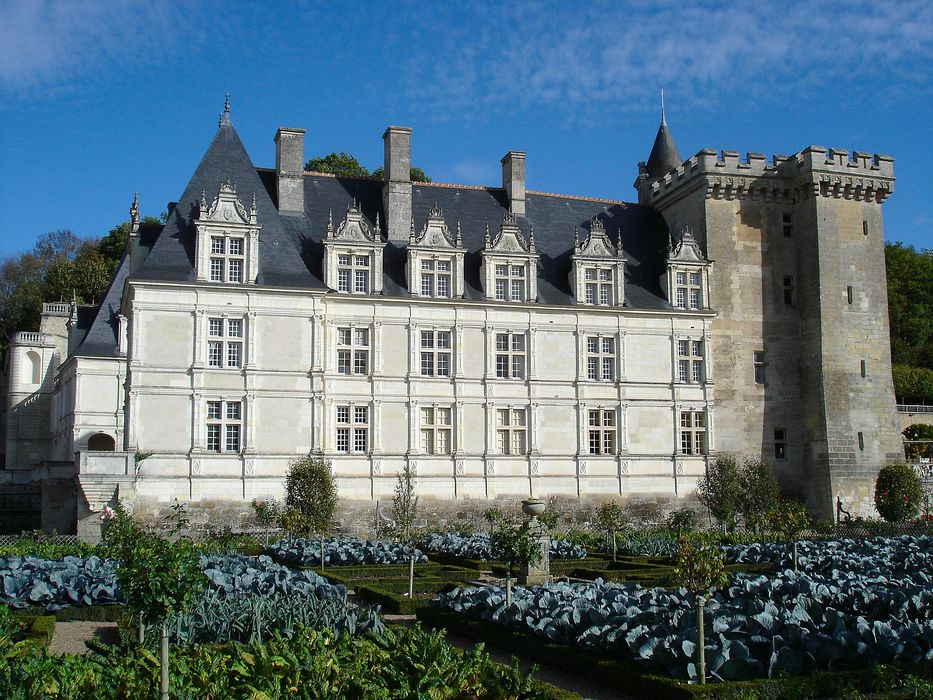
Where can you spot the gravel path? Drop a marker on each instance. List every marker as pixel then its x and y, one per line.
pixel 69 637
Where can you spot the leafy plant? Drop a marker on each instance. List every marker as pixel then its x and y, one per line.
pixel 898 492
pixel 914 435
pixel 719 489
pixel 681 521
pixel 344 551
pixel 310 498
pixel 698 568
pixel 789 518
pixel 479 546
pixel 177 520
pixel 610 518
pixel 759 491
pixel 515 545
pixel 404 512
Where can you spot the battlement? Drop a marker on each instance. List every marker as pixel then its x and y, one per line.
pixel 825 172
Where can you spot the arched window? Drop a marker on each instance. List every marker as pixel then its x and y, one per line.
pixel 32 368
pixel 101 442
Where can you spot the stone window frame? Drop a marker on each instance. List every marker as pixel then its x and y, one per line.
pixel 352 428
pixel 435 351
pixel 605 434
pixel 225 341
pixel 508 275
pixel 600 357
pixel 688 289
pixel 352 267
pixel 789 289
pixel 692 432
pixel 760 365
pixel 510 355
pixel 690 363
pixel 224 258
pixel 227 417
pixel 439 434
pixel 354 350
pixel 780 444
pixel 429 267
pixel 514 428
pixel 603 279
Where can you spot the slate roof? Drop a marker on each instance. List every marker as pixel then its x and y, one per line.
pixel 291 249
pixel 664 156
pixel 101 338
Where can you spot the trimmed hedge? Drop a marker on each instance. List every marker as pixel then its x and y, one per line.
pixel 635 681
pixel 91 613
pixel 40 629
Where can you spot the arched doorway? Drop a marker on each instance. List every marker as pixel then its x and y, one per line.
pixel 101 442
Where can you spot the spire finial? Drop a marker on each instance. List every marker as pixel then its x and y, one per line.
pixel 486 235
pixel 411 231
pixel 134 213
pixel 330 223
pixel 663 120
pixel 226 108
pixel 378 227
pixel 458 240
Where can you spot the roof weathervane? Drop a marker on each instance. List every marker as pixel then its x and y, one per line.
pixel 663 120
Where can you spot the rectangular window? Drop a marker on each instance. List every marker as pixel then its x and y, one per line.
pixel 352 436
pixel 435 353
pixel 864 368
pixel 692 432
pixel 353 351
pixel 861 441
pixel 690 361
pixel 688 292
pixel 353 273
pixel 864 228
pixel 509 283
pixel 789 290
pixel 510 355
pixel 225 342
pixel 850 294
pixel 760 366
pixel 227 256
pixel 511 431
pixel 217 270
pixel 435 430
pixel 217 245
pixel 780 443
pixel 224 426
pixel 600 358
pixel 787 223
pixel 602 432
pixel 599 287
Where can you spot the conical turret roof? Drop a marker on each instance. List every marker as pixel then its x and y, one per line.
pixel 664 156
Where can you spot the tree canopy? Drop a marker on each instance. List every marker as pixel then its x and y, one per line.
pixel 345 165
pixel 910 304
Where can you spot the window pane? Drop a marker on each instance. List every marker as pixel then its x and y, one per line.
pixel 518 417
pixel 361 282
pixel 518 271
pixel 427 364
pixel 593 418
pixel 343 259
pixel 592 345
pixel 217 245
pixel 594 442
pixel 604 294
pixel 343 362
pixel 502 341
pixel 233 354
pixel 500 290
pixel 502 417
pixel 609 440
pixel 591 294
pixel 608 369
pixel 518 442
pixel 427 265
pixel 697 371
pixel 427 285
pixel 361 261
pixel 518 367
pixel 681 298
pixel 427 416
pixel 518 343
pixel 694 278
pixel 518 290
pixel 502 366
pixel 502 270
pixel 681 278
pixel 590 273
pixel 609 345
pixel 592 368
pixel 443 286
pixel 427 441
pixel 360 414
pixel 215 354
pixel 443 266
pixel 683 370
pixel 443 339
pixel 443 364
pixel 443 442
pixel 362 337
pixel 360 441
pixel 235 269
pixel 233 410
pixel 443 416
pixel 236 246
pixel 343 414
pixel 427 339
pixel 683 347
pixel 215 327
pixel 343 336
pixel 502 442
pixel 217 270
pixel 235 328
pixel 213 410
pixel 213 438
pixel 360 362
pixel 343 439
pixel 233 438
pixel 343 280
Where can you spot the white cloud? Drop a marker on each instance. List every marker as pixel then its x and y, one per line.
pixel 595 56
pixel 46 44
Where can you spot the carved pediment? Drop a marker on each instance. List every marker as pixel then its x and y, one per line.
pixel 597 243
pixel 687 250
pixel 435 232
pixel 510 238
pixel 227 207
pixel 354 227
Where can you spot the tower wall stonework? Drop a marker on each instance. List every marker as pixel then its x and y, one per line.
pixel 813 342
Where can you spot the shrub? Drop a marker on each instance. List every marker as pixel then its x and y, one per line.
pixel 719 489
pixel 898 492
pixel 759 491
pixel 610 518
pixel 681 521
pixel 912 384
pixel 310 498
pixel 789 518
pixel 912 433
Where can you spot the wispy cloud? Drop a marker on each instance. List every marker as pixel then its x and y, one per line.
pixel 45 44
pixel 587 58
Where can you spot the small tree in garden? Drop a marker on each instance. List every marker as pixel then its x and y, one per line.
pixel 610 518
pixel 493 516
pixel 789 518
pixel 514 544
pixel 759 490
pixel 268 514
pixel 158 578
pixel 698 568
pixel 310 498
pixel 719 489
pixel 898 492
pixel 404 512
pixel 681 521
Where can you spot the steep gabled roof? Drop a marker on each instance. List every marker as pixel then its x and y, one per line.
pixel 101 339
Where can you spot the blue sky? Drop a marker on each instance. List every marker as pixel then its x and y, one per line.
pixel 101 99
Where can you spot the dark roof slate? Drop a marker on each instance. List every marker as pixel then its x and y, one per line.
pixel 291 245
pixel 664 156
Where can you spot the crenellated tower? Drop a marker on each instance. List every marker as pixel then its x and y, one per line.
pixel 800 345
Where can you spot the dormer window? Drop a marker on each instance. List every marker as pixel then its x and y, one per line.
pixel 227 239
pixel 353 254
pixel 510 264
pixel 597 272
pixel 687 274
pixel 435 259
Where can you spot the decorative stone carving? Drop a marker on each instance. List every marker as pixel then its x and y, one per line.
pixel 511 248
pixel 377 467
pixel 460 467
pixel 599 264
pixel 227 218
pixel 250 467
pixel 354 237
pixel 196 467
pixel 535 467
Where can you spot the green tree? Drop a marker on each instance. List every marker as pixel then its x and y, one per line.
pixel 404 512
pixel 719 489
pixel 416 174
pixel 611 520
pixel 268 514
pixel 910 304
pixel 341 164
pixel 915 433
pixel 310 498
pixel 682 521
pixel 898 492
pixel 788 518
pixel 759 490
pixel 698 568
pixel 515 545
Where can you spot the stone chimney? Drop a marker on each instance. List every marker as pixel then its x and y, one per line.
pixel 289 166
pixel 396 192
pixel 513 180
